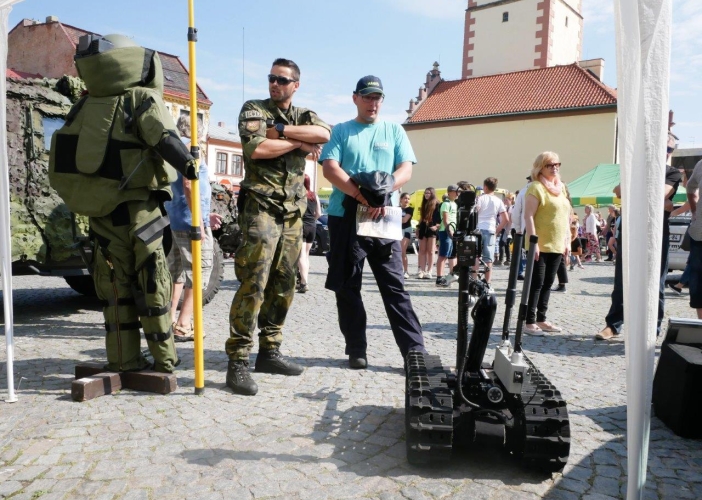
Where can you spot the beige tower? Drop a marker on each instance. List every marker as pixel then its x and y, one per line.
pixel 502 36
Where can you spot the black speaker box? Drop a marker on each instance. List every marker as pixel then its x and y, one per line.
pixel 677 394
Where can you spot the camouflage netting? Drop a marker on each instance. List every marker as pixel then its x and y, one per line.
pixel 40 222
pixel 224 204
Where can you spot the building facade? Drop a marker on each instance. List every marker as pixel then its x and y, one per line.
pixel 494 126
pixel 47 49
pixel 503 36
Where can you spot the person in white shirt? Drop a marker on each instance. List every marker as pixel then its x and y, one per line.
pixel 489 207
pixel 593 241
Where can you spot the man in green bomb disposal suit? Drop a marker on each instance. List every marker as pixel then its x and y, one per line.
pixel 276 137
pixel 113 161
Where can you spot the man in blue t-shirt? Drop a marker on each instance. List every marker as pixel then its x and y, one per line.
pixel 367 144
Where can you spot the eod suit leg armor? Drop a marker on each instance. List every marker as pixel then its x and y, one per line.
pixel 114 161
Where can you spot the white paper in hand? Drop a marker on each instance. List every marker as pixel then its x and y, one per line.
pixel 388 227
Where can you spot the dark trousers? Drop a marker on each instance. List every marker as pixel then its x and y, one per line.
pixel 388 273
pixel 544 275
pixel 562 273
pixel 615 316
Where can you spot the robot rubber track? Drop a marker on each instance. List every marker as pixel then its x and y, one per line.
pixel 540 430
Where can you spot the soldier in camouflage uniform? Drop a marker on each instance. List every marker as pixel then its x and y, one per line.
pixel 111 161
pixel 276 137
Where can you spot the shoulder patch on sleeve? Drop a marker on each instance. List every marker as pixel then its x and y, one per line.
pixel 253 125
pixel 252 114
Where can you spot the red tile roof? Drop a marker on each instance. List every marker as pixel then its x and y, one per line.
pixel 175 76
pixel 547 89
pixel 13 73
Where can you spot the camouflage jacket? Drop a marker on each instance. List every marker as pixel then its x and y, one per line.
pixel 276 183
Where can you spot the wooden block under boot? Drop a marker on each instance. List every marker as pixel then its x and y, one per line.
pixel 150 381
pixel 94 386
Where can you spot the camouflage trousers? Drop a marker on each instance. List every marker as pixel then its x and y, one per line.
pixel 132 279
pixel 266 265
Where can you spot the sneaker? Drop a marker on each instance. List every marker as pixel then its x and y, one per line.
pixel 677 289
pixel 548 327
pixel 358 362
pixel 303 288
pixel 406 275
pixel 581 266
pixel 428 276
pixel 420 275
pixel 450 279
pixel 239 378
pixel 441 281
pixel 559 288
pixel 272 361
pixel 533 330
pixel 607 333
pixel 571 267
pixel 520 277
pixel 497 262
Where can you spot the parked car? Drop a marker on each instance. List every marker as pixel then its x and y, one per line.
pixel 677 257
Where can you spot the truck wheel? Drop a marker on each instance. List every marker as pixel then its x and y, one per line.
pixel 216 276
pixel 82 284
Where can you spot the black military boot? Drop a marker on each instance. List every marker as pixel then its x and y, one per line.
pixel 239 378
pixel 271 361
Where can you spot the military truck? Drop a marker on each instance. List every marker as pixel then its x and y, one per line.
pixel 47 239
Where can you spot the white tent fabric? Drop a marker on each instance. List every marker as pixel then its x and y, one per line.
pixel 643 67
pixel 5 238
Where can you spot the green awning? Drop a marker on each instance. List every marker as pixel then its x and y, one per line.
pixel 595 187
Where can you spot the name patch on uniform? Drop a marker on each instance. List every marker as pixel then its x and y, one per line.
pixel 253 125
pixel 380 145
pixel 252 114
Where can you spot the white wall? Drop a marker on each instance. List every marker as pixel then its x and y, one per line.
pixel 566 39
pixel 504 47
pixel 507 149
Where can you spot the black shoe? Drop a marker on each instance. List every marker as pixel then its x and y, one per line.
pixel 559 288
pixel 271 361
pixel 520 277
pixel 675 288
pixel 441 281
pixel 303 288
pixel 239 378
pixel 358 363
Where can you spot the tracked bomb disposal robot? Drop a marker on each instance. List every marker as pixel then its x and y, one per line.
pixel 508 403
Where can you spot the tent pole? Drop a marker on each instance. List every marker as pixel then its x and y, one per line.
pixel 5 241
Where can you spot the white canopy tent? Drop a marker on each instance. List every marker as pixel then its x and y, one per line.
pixel 5 237
pixel 643 59
pixel 643 74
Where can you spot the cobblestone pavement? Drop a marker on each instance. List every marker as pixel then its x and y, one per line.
pixel 330 433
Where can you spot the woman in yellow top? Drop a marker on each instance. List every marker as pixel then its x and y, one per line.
pixel 546 214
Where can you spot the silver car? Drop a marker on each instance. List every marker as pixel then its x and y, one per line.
pixel 677 257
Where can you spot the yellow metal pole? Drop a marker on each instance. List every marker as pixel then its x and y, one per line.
pixel 195 231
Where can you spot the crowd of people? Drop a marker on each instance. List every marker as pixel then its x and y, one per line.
pixel 368 161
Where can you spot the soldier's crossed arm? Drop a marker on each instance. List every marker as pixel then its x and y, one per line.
pixel 252 130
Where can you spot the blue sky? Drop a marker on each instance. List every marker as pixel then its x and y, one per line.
pixel 336 42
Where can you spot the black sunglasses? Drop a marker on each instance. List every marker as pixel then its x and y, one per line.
pixel 281 80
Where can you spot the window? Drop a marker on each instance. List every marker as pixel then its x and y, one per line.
pixel 505 17
pixel 221 163
pixel 50 125
pixel 236 165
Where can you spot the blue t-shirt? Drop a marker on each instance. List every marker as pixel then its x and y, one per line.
pixel 178 209
pixel 365 147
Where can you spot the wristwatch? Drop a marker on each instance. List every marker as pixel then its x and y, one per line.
pixel 280 128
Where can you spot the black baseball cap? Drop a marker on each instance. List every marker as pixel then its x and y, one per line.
pixel 369 85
